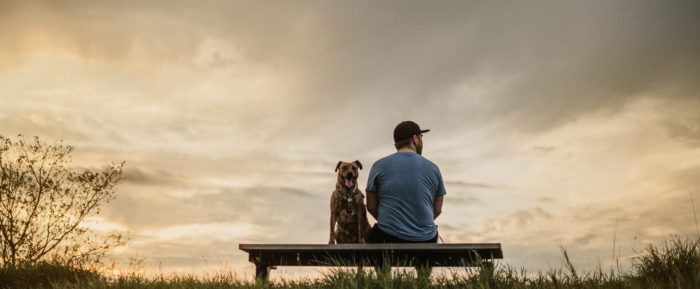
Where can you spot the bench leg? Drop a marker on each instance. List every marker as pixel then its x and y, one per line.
pixel 262 272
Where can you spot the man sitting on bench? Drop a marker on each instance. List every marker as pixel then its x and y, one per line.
pixel 405 191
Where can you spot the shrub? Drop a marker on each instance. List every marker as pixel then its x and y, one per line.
pixel 673 264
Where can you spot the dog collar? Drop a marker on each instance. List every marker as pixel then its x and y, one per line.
pixel 349 196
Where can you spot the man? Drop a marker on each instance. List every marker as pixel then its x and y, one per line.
pixel 405 191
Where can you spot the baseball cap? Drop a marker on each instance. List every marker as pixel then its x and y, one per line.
pixel 406 130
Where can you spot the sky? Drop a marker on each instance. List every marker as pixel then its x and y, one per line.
pixel 554 123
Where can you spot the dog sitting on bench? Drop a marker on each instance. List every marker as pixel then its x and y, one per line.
pixel 348 209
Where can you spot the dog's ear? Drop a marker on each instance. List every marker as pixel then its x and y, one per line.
pixel 358 163
pixel 337 167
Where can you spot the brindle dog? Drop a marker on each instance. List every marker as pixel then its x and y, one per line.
pixel 348 206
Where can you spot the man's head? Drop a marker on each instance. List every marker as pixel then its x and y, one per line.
pixel 408 134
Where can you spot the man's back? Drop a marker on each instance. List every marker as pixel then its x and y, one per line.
pixel 406 185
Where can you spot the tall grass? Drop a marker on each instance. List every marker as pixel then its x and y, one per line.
pixel 674 264
pixel 43 275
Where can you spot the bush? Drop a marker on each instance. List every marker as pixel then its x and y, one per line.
pixel 674 264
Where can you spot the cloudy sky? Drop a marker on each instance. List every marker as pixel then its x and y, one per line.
pixel 572 123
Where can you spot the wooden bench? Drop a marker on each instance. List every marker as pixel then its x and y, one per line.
pixel 268 256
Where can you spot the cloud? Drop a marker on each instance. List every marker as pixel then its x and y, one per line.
pixel 49 124
pixel 100 224
pixel 518 219
pixel 158 177
pixel 688 178
pixel 544 149
pixel 546 200
pixel 688 132
pixel 682 124
pixel 402 58
pixel 582 241
pixel 199 232
pixel 151 208
pixel 468 184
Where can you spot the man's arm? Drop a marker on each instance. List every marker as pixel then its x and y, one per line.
pixel 437 206
pixel 372 204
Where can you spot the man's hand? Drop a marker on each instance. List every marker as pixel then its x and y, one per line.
pixel 372 204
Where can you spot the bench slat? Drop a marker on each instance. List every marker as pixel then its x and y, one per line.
pixel 437 255
pixel 370 247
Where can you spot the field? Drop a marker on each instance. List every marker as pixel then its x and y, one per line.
pixel 673 264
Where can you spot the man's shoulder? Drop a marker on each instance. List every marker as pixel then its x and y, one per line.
pixel 401 158
pixel 385 160
pixel 425 161
pixel 404 156
pixel 430 166
pixel 430 163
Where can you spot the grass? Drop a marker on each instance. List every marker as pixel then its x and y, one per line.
pixel 673 264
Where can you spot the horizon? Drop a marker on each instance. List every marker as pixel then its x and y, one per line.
pixel 562 123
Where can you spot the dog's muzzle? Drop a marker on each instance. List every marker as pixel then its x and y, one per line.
pixel 349 180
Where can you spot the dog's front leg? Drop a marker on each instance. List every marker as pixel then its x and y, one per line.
pixel 331 239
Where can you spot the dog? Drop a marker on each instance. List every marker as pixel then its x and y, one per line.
pixel 348 209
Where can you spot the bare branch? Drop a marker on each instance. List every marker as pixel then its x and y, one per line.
pixel 43 203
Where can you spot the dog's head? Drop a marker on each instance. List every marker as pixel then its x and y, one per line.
pixel 348 172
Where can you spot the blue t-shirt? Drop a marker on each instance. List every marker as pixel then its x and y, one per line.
pixel 406 184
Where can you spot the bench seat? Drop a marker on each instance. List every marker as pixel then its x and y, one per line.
pixel 268 256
